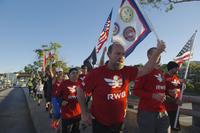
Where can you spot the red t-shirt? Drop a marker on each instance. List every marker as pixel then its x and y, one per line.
pixel 145 86
pixel 69 94
pixel 81 80
pixel 109 90
pixel 81 77
pixel 56 89
pixel 172 83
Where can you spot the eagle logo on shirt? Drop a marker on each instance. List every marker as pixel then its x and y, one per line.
pixel 72 89
pixel 82 78
pixel 175 82
pixel 159 77
pixel 115 82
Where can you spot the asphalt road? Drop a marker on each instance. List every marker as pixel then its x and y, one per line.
pixel 14 113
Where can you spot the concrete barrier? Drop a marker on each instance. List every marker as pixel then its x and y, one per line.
pixel 39 117
pixel 195 112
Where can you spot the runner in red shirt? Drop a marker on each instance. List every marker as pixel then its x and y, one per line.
pixel 109 87
pixel 55 100
pixel 151 89
pixel 83 73
pixel 173 86
pixel 70 108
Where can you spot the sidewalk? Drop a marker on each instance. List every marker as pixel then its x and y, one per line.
pixel 38 114
pixel 40 117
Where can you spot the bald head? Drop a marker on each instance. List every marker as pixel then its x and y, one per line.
pixel 116 56
pixel 112 46
pixel 150 53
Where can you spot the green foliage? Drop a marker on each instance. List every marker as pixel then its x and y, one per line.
pixel 189 86
pixel 193 84
pixel 139 65
pixel 164 68
pixel 39 52
pixel 167 4
pixel 46 49
pixel 169 7
pixel 27 69
pixel 62 65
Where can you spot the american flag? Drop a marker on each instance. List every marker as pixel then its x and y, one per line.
pixel 104 34
pixel 186 52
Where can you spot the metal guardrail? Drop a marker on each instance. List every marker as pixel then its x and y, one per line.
pixel 191 99
pixel 189 112
pixel 195 112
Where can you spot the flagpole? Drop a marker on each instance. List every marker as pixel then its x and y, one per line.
pixel 148 20
pixel 184 85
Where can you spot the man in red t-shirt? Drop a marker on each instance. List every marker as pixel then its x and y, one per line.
pixel 70 108
pixel 173 85
pixel 151 89
pixel 109 87
pixel 55 100
pixel 83 73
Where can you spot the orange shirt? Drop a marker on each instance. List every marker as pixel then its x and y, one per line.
pixel 172 83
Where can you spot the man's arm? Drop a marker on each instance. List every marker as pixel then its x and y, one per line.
pixel 138 89
pixel 152 61
pixel 86 117
pixel 81 100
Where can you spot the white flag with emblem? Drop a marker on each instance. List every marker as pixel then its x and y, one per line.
pixel 130 27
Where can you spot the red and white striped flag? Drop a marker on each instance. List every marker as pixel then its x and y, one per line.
pixel 104 34
pixel 44 61
pixel 186 52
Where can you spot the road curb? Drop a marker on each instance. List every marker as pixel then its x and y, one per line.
pixel 39 117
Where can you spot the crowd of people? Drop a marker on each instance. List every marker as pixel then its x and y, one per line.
pixel 98 98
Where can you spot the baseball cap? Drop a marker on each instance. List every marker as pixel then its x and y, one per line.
pixel 172 65
pixel 58 69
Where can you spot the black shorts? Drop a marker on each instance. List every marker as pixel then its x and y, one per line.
pixel 100 128
pixel 172 117
pixel 71 125
pixel 39 96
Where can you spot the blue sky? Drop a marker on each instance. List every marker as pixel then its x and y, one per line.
pixel 26 25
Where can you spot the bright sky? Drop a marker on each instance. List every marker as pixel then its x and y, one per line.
pixel 26 25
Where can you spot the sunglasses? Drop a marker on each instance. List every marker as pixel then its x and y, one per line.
pixel 59 72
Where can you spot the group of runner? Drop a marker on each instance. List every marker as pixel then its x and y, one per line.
pixel 106 88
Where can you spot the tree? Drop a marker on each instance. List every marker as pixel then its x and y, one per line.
pixel 28 68
pixel 193 84
pixel 169 4
pixel 54 47
pixel 164 68
pixel 63 65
